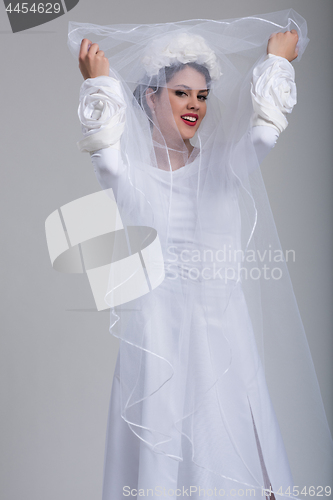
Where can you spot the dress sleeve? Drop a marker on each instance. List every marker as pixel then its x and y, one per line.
pixel 108 167
pixel 102 115
pixel 273 92
pixel 264 139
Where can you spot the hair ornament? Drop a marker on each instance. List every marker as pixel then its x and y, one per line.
pixel 182 48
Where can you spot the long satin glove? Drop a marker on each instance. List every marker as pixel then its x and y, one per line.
pixel 102 113
pixel 273 92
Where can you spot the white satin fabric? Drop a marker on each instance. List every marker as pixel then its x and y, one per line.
pixel 102 113
pixel 273 92
pixel 228 353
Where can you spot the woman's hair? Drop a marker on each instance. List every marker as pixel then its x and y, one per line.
pixel 164 75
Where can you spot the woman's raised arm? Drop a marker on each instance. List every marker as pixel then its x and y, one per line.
pixel 102 115
pixel 273 91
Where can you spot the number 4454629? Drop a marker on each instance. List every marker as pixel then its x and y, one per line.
pixel 311 491
pixel 36 8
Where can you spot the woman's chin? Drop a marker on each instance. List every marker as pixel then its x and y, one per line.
pixel 188 134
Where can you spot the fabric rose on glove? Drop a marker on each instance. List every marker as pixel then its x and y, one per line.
pixel 273 92
pixel 101 112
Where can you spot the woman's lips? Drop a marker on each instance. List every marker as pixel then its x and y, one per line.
pixel 193 118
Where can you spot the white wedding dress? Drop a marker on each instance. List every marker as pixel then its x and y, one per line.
pixel 130 464
pixel 220 446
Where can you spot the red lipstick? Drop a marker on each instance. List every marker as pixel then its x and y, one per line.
pixel 190 122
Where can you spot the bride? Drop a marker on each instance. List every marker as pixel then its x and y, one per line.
pixel 206 397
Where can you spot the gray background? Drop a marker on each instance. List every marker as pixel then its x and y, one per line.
pixel 57 356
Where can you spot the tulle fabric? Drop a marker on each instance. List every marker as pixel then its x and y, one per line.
pixel 214 369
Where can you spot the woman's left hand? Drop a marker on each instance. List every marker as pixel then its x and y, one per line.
pixel 92 61
pixel 283 45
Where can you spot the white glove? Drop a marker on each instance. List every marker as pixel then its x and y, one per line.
pixel 273 92
pixel 102 113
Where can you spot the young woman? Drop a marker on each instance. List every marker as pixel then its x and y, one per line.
pixel 177 128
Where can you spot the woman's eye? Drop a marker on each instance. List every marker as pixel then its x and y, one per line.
pixel 203 97
pixel 180 93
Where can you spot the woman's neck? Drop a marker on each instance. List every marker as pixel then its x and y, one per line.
pixel 172 153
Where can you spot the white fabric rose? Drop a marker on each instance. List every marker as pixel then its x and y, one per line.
pixel 273 92
pixel 101 112
pixel 183 48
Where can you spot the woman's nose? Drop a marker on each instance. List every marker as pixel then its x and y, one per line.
pixel 194 103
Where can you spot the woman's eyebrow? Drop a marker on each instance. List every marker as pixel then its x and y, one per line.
pixel 189 88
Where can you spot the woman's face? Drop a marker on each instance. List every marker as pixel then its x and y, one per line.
pixel 181 106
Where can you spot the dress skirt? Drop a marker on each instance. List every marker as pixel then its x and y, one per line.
pixel 229 443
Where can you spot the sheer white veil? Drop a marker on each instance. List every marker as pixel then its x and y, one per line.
pixel 234 277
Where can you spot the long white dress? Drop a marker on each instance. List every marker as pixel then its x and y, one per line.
pixel 222 442
pixel 131 465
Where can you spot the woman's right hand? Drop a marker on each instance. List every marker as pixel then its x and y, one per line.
pixel 92 62
pixel 284 45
